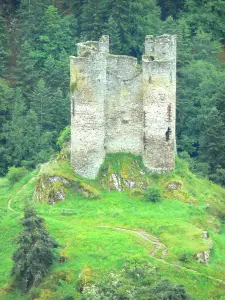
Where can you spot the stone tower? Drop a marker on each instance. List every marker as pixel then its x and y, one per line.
pixel 120 106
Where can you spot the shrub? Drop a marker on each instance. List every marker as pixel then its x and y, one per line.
pixel 136 281
pixel 64 137
pixel 167 290
pixel 15 174
pixel 185 257
pixel 153 194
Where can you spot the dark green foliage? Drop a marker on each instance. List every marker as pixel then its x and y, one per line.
pixel 171 7
pixel 15 174
pixel 24 139
pixel 35 253
pixel 127 22
pixel 6 96
pixel 153 194
pixel 136 281
pixel 64 137
pixel 4 46
pixel 37 38
pixel 165 290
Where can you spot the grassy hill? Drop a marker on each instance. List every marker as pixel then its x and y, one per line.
pixel 100 228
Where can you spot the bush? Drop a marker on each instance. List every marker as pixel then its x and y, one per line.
pixel 167 290
pixel 153 194
pixel 64 137
pixel 185 257
pixel 15 174
pixel 136 281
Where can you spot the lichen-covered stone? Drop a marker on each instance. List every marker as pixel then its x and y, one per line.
pixel 50 189
pixel 174 185
pixel 123 174
pixel 203 257
pixel 117 106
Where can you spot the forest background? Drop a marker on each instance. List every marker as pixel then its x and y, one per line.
pixel 37 38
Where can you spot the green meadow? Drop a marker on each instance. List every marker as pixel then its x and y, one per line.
pixel 89 236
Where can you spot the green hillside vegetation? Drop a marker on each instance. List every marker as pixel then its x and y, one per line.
pixel 37 38
pixel 100 230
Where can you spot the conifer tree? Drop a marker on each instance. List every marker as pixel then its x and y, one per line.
pixel 113 31
pixel 6 96
pixel 26 71
pixel 30 15
pixel 32 139
pixel 41 103
pixel 13 131
pixel 212 141
pixel 35 253
pixel 4 47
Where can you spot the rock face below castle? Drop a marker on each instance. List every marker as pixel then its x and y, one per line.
pixel 120 106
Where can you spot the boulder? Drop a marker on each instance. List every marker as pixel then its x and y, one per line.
pixel 50 189
pixel 174 185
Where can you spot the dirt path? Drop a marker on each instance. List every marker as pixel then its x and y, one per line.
pixel 158 245
pixel 147 237
pixel 22 187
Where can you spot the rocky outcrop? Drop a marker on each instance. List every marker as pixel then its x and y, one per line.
pixel 124 174
pixel 203 257
pixel 173 185
pixel 116 181
pixel 50 189
pixel 53 188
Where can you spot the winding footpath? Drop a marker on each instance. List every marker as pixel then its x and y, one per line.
pixel 23 186
pixel 158 245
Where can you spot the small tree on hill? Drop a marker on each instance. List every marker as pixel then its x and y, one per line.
pixel 35 253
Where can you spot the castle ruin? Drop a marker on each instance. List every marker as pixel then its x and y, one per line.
pixel 118 105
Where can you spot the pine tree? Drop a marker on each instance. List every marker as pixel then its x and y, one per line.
pixel 26 72
pixel 35 253
pixel 212 140
pixel 93 16
pixel 113 31
pixel 13 131
pixel 56 72
pixel 61 108
pixel 41 103
pixel 4 47
pixel 32 140
pixel 6 97
pixel 55 35
pixel 30 15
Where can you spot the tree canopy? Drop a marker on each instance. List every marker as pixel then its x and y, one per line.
pixel 37 38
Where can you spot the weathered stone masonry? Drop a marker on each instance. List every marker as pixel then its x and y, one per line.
pixel 120 106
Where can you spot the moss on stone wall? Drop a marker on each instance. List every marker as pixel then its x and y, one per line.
pixel 123 171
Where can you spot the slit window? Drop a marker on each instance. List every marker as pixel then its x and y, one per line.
pixel 168 134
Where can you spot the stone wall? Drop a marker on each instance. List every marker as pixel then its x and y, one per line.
pixel 119 106
pixel 123 105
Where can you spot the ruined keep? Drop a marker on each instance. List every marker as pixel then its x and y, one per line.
pixel 120 106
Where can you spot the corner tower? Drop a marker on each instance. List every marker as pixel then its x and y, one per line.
pixel 159 102
pixel 88 89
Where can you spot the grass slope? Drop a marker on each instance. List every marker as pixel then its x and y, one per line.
pixel 178 221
